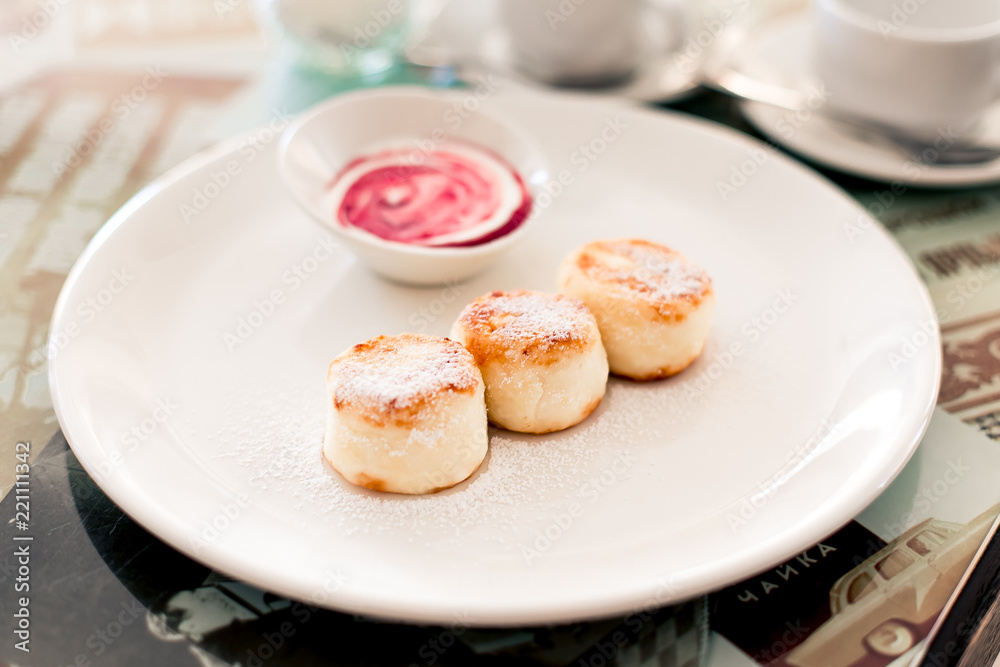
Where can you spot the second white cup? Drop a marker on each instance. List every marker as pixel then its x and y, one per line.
pixel 573 42
pixel 923 66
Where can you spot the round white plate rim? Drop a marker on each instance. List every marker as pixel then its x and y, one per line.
pixel 765 554
pixel 931 176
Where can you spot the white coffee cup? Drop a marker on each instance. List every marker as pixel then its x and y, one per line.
pixel 922 66
pixel 573 41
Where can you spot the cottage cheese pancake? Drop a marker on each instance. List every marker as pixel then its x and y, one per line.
pixel 405 414
pixel 541 358
pixel 653 305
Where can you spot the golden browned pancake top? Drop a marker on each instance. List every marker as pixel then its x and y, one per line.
pixel 389 379
pixel 534 325
pixel 665 279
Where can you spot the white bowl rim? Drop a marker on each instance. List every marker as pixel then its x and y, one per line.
pixel 868 22
pixel 425 92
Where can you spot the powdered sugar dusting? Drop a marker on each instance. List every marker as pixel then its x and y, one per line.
pixel 521 317
pixel 277 440
pixel 266 441
pixel 391 373
pixel 640 267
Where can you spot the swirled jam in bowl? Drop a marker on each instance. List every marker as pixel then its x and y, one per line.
pixel 420 193
pixel 457 195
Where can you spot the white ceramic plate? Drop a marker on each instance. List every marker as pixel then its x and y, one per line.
pixel 778 53
pixel 669 490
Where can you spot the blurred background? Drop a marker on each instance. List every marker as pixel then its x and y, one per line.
pixel 100 97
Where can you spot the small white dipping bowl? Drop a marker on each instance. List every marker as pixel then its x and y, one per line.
pixel 325 138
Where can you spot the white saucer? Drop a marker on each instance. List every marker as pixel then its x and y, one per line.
pixel 467 35
pixel 195 397
pixel 778 52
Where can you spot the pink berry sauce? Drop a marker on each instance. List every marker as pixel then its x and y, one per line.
pixel 458 195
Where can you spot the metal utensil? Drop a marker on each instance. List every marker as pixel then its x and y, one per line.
pixel 956 151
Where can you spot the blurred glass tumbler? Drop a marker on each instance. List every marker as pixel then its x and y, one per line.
pixel 359 36
pixel 929 67
pixel 573 42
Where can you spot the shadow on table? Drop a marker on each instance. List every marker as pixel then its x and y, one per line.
pixel 188 608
